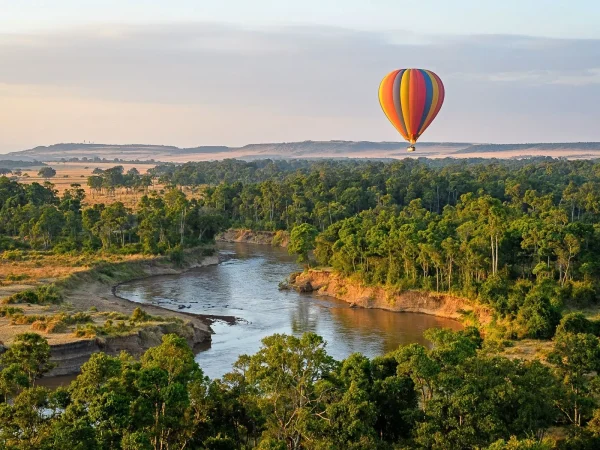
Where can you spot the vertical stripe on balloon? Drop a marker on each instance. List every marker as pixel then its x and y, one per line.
pixel 434 101
pixel 417 101
pixel 404 101
pixel 428 100
pixel 397 103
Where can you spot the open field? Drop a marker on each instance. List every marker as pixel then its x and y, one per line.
pixel 86 306
pixel 25 271
pixel 77 173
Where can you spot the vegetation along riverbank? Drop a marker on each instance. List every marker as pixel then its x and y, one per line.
pixel 509 246
pixel 60 259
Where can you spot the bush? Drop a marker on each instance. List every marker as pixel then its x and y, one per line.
pixel 72 319
pixel 27 296
pixel 8 243
pixel 208 251
pixel 116 316
pixel 17 277
pixel 576 322
pixel 583 294
pixel 42 295
pixel 537 318
pixel 88 331
pixel 494 292
pixel 21 319
pixel 139 315
pixel 9 311
pixel 48 294
pixel 130 249
pixel 56 326
pixel 67 246
pixel 176 255
pixel 12 255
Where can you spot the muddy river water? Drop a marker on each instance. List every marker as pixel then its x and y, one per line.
pixel 246 286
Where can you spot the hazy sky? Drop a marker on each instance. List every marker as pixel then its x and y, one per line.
pixel 233 72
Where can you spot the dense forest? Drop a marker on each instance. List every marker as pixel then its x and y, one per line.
pixel 35 216
pixel 292 395
pixel 518 236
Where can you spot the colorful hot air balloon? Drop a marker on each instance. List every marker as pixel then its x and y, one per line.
pixel 411 98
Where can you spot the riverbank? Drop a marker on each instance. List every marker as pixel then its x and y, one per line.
pixel 105 321
pixel 274 238
pixel 328 283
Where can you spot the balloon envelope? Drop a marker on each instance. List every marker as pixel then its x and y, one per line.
pixel 411 98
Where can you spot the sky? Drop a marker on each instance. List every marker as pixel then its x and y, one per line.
pixel 233 72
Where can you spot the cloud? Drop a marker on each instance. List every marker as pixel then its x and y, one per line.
pixel 318 82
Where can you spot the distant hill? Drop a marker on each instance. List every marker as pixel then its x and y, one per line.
pixel 305 149
pixel 549 147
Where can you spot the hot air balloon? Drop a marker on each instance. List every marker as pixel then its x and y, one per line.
pixel 411 98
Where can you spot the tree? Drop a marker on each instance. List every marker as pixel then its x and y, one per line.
pixel 302 240
pixel 289 375
pixel 94 182
pixel 575 357
pixel 31 352
pixel 46 172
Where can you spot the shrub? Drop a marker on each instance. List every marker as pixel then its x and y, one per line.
pixel 176 255
pixel 117 316
pixel 139 315
pixel 12 255
pixel 72 319
pixel 9 311
pixel 537 318
pixel 21 319
pixel 56 326
pixel 17 277
pixel 88 331
pixel 27 296
pixel 38 325
pixel 576 322
pixel 494 292
pixel 48 294
pixel 8 243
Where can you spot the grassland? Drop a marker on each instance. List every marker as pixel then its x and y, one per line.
pixel 81 304
pixel 69 173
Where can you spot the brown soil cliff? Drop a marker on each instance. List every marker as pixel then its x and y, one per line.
pixel 274 238
pixel 328 283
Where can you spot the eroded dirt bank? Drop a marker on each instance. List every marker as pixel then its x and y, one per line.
pixel 326 282
pixel 96 289
pixel 275 238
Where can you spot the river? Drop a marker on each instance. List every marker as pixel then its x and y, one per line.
pixel 246 286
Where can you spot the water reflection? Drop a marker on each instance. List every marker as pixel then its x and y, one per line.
pixel 246 286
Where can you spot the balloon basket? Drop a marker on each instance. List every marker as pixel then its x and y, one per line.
pixel 411 148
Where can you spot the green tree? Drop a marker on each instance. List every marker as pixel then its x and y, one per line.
pixel 31 352
pixel 47 172
pixel 289 375
pixel 302 240
pixel 575 357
